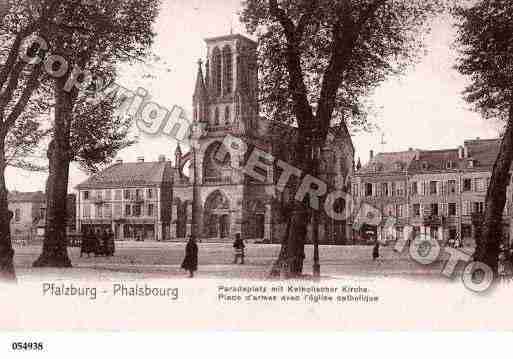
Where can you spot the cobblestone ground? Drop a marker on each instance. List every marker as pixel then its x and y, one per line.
pixel 157 260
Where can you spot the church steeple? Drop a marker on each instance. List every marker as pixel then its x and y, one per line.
pixel 178 156
pixel 200 97
pixel 200 91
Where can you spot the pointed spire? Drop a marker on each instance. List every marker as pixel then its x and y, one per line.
pixel 200 91
pixel 178 156
pixel 358 164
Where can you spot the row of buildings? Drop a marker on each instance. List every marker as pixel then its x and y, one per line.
pixel 440 192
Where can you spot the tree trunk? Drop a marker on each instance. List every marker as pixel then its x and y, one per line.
pixel 55 253
pixel 7 273
pixel 488 245
pixel 292 253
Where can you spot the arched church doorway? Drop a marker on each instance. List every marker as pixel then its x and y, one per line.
pixel 217 216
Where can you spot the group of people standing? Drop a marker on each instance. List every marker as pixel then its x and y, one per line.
pixel 190 262
pixel 98 243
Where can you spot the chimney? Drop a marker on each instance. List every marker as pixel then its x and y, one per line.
pixel 140 159
pixel 371 155
pixel 465 152
pixel 460 152
pixel 162 158
pixel 119 161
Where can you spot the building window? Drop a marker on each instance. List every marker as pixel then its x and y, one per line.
pixel 150 193
pixel 217 68
pixel 399 189
pixel 433 187
pixel 117 195
pixel 434 232
pixel 414 188
pixel 87 211
pixel 478 207
pixel 216 117
pixel 416 209
pixel 127 194
pixel 86 195
pixel 452 209
pixel 108 211
pixel 117 210
pixel 99 195
pixel 480 185
pixel 450 165
pixel 137 210
pixel 451 186
pixel 425 166
pixel 368 189
pixel 108 195
pixel 434 209
pixel 99 211
pixel 227 114
pixel 399 210
pixel 452 233
pixel 138 194
pixel 128 210
pixel 42 213
pixel 384 189
pixel 150 210
pixel 467 184
pixel 17 215
pixel 228 72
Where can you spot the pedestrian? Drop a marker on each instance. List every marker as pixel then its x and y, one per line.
pixel 239 247
pixel 190 262
pixel 375 251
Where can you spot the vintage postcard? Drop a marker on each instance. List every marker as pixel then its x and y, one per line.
pixel 297 165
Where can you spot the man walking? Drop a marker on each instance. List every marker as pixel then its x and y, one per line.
pixel 239 247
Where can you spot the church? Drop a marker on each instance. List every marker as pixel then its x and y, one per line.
pixel 225 102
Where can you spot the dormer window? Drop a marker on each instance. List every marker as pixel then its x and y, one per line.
pixel 450 165
pixel 399 166
pixel 425 165
pixel 472 163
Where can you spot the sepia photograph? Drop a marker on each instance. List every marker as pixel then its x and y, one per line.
pixel 245 165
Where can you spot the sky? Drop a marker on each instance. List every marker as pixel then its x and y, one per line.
pixel 421 109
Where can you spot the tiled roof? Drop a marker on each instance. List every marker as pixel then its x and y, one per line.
pixel 16 196
pixel 390 162
pixel 132 174
pixel 482 154
pixel 436 160
pixel 483 151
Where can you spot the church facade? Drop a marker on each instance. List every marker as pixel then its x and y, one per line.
pixel 225 103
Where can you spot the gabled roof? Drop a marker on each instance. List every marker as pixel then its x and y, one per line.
pixel 16 196
pixel 131 174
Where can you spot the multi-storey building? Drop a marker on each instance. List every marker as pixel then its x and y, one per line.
pixel 132 199
pixel 29 214
pixel 439 192
pixel 28 209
